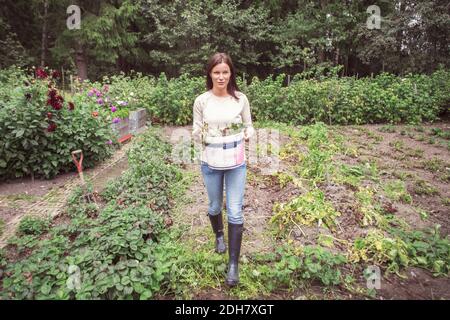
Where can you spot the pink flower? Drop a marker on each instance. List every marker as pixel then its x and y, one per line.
pixel 113 109
pixel 116 120
pixel 109 142
pixel 100 101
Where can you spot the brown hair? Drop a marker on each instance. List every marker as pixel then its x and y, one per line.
pixel 216 59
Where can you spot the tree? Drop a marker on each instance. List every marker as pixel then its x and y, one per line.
pixel 182 35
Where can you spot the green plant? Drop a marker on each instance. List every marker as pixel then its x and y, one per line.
pixel 316 165
pixel 309 208
pixel 440 133
pixel 427 249
pixel 352 175
pixel 387 128
pixel 370 210
pixel 2 226
pixel 117 251
pixel 396 191
pixel 290 266
pixel 33 225
pixel 41 128
pixel 312 262
pixel 445 201
pixel 403 248
pixel 398 145
pixel 421 187
pixel 423 215
pixel 434 164
pixel 378 249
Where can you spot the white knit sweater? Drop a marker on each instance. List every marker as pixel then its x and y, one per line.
pixel 216 117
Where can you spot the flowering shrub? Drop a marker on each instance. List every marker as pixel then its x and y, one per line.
pixel 40 129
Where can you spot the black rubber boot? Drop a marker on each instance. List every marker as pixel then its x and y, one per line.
pixel 217 226
pixel 234 247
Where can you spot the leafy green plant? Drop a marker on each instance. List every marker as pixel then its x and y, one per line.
pixel 33 225
pixel 2 226
pixel 118 251
pixel 316 165
pixel 396 191
pixel 41 128
pixel 427 249
pixel 440 133
pixel 421 187
pixel 308 209
pixel 370 210
pixel 378 249
pixel 352 175
pixel 398 145
pixel 387 128
pixel 434 164
pixel 307 263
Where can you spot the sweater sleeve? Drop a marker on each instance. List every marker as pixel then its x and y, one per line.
pixel 247 118
pixel 197 122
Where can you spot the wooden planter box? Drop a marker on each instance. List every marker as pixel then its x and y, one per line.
pixel 138 120
pixel 133 124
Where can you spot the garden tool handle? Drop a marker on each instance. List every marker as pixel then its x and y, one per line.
pixel 78 163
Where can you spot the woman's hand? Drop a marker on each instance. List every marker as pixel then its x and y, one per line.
pixel 246 136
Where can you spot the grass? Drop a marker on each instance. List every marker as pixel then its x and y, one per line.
pixel 387 128
pixel 396 191
pixel 421 187
pixel 415 153
pixel 21 197
pixel 433 165
pixel 2 226
pixel 402 175
pixel 398 145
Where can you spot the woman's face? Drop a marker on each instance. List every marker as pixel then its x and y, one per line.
pixel 220 75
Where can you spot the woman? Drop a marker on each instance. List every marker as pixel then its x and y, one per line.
pixel 222 122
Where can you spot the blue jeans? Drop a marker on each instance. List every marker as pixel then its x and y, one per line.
pixel 234 186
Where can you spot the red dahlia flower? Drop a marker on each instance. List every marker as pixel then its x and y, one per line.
pixel 41 74
pixel 56 74
pixel 51 127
